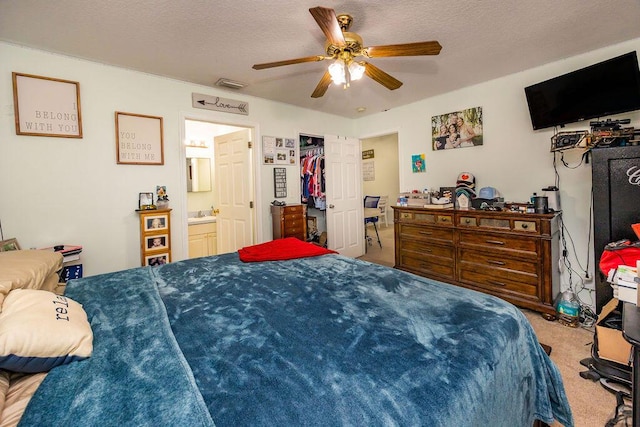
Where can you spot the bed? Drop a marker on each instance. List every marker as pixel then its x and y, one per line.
pixel 320 340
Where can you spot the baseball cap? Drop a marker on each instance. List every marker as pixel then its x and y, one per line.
pixel 488 193
pixel 466 179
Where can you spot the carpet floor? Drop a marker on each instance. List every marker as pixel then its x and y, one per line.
pixel 591 404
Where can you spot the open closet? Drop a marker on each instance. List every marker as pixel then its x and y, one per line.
pixel 313 187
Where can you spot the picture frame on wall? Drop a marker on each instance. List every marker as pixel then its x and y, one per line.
pixel 139 139
pixel 9 245
pixel 458 129
pixel 46 106
pixel 280 183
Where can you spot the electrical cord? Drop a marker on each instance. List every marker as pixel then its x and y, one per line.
pixel 587 316
pixel 566 165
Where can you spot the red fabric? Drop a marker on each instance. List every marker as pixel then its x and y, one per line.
pixel 281 249
pixel 621 256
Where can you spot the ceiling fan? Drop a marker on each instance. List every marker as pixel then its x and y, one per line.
pixel 344 47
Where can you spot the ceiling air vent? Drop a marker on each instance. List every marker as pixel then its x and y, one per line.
pixel 232 84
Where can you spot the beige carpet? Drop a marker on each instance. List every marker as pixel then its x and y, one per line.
pixel 591 404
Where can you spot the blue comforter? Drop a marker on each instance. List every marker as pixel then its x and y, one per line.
pixel 315 341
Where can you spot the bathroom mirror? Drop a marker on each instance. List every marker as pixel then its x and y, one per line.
pixel 198 174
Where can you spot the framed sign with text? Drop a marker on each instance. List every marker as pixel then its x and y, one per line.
pixel 45 106
pixel 280 182
pixel 139 139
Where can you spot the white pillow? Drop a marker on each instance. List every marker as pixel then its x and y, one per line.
pixel 40 330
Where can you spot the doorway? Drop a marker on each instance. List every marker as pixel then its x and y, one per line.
pixel 206 139
pixel 381 177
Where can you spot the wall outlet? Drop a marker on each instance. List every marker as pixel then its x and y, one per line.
pixel 587 278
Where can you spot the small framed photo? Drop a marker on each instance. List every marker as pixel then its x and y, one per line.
pixel 156 241
pixel 145 201
pixel 45 106
pixel 156 222
pixel 157 259
pixel 9 245
pixel 139 139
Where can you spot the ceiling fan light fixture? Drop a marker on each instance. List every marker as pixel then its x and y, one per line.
pixel 337 71
pixel 356 70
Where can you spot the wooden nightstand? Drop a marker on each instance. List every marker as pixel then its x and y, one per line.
pixel 289 221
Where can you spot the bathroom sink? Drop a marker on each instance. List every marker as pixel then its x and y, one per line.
pixel 202 219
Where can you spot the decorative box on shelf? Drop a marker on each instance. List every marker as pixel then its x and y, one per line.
pixel 71 266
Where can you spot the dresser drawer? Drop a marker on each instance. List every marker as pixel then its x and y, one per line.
pixel 474 258
pixel 426 234
pixel 297 233
pixel 519 245
pixel 468 221
pixel 429 217
pixel 293 221
pixel 290 210
pixel 428 264
pixel 498 280
pixel 292 216
pixel 419 248
pixel 525 226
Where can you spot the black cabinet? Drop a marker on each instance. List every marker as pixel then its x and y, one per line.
pixel 615 175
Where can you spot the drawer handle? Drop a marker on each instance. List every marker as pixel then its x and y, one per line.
pixel 426 233
pixel 493 282
pixel 495 242
pixel 494 262
pixel 467 221
pixel 524 226
pixel 444 219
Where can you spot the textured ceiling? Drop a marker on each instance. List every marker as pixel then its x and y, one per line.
pixel 201 41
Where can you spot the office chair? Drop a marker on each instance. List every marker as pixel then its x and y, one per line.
pixel 382 205
pixel 371 202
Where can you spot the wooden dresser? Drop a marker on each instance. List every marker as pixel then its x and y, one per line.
pixel 289 221
pixel 508 254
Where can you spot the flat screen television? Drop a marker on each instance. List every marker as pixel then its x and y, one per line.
pixel 606 88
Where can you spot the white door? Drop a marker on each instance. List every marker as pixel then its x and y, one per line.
pixel 234 190
pixel 345 221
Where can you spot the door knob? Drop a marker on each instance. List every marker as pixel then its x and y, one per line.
pixel 331 206
pixel 215 211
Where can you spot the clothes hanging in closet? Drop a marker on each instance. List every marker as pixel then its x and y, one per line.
pixel 313 179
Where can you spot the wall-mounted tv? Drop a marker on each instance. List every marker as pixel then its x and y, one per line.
pixel 602 89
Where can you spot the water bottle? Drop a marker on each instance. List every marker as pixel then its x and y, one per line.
pixel 568 309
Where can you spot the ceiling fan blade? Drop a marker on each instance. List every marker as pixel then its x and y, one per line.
pixel 381 77
pixel 323 85
pixel 405 49
pixel 288 62
pixel 326 19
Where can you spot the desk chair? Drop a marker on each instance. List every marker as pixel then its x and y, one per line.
pixel 382 205
pixel 371 202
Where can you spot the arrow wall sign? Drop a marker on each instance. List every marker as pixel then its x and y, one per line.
pixel 216 103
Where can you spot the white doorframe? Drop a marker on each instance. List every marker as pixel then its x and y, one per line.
pixel 219 118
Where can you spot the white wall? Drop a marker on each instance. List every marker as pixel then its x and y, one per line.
pixel 60 190
pixel 514 159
